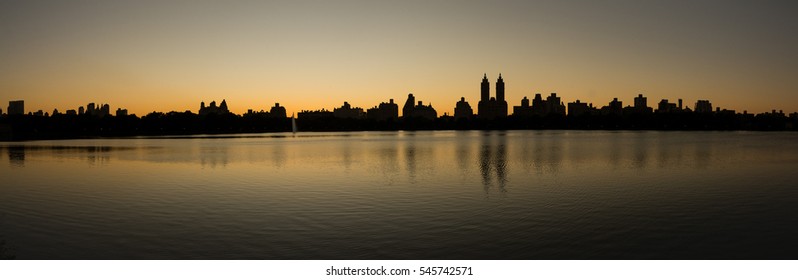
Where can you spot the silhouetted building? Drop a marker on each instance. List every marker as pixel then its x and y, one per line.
pixel 121 112
pixel 39 113
pixel 703 106
pixel 614 108
pixel 16 107
pixel 665 107
pixel 98 111
pixel 213 109
pixel 81 111
pixel 462 110
pixel 278 111
pixel 418 111
pixel 348 112
pixel 90 109
pixel 525 110
pixel 71 112
pixel 407 110
pixel 641 105
pixel 538 105
pixel 640 102
pixel 552 105
pixel 578 108
pixel 488 107
pixel 312 115
pixel 223 106
pixel 424 111
pixel 105 110
pixel 780 113
pixel 385 111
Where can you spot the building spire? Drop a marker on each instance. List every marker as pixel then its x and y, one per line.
pixel 485 88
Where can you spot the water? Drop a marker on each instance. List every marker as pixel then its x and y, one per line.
pixel 405 195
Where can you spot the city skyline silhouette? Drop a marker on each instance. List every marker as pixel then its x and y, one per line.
pixel 309 55
pixel 489 107
pixel 493 113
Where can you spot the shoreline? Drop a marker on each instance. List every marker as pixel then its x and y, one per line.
pixel 289 134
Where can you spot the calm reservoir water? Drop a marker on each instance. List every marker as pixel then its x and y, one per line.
pixel 405 195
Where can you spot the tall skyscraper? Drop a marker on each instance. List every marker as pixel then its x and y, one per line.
pixel 500 88
pixel 554 105
pixel 16 107
pixel 90 109
pixel 485 90
pixel 640 102
pixel 407 110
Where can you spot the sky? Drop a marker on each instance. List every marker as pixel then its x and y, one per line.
pixel 171 55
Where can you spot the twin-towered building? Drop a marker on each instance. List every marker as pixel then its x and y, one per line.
pixel 491 107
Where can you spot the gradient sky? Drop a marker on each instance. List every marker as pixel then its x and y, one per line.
pixel 170 55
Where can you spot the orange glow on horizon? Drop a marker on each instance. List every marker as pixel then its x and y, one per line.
pixel 169 57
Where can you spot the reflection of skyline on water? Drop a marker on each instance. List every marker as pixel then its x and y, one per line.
pixel 508 194
pixel 16 156
pixel 98 155
pixel 410 156
pixel 419 154
pixel 500 155
pixel 93 155
pixel 214 156
pixel 388 164
pixel 493 160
